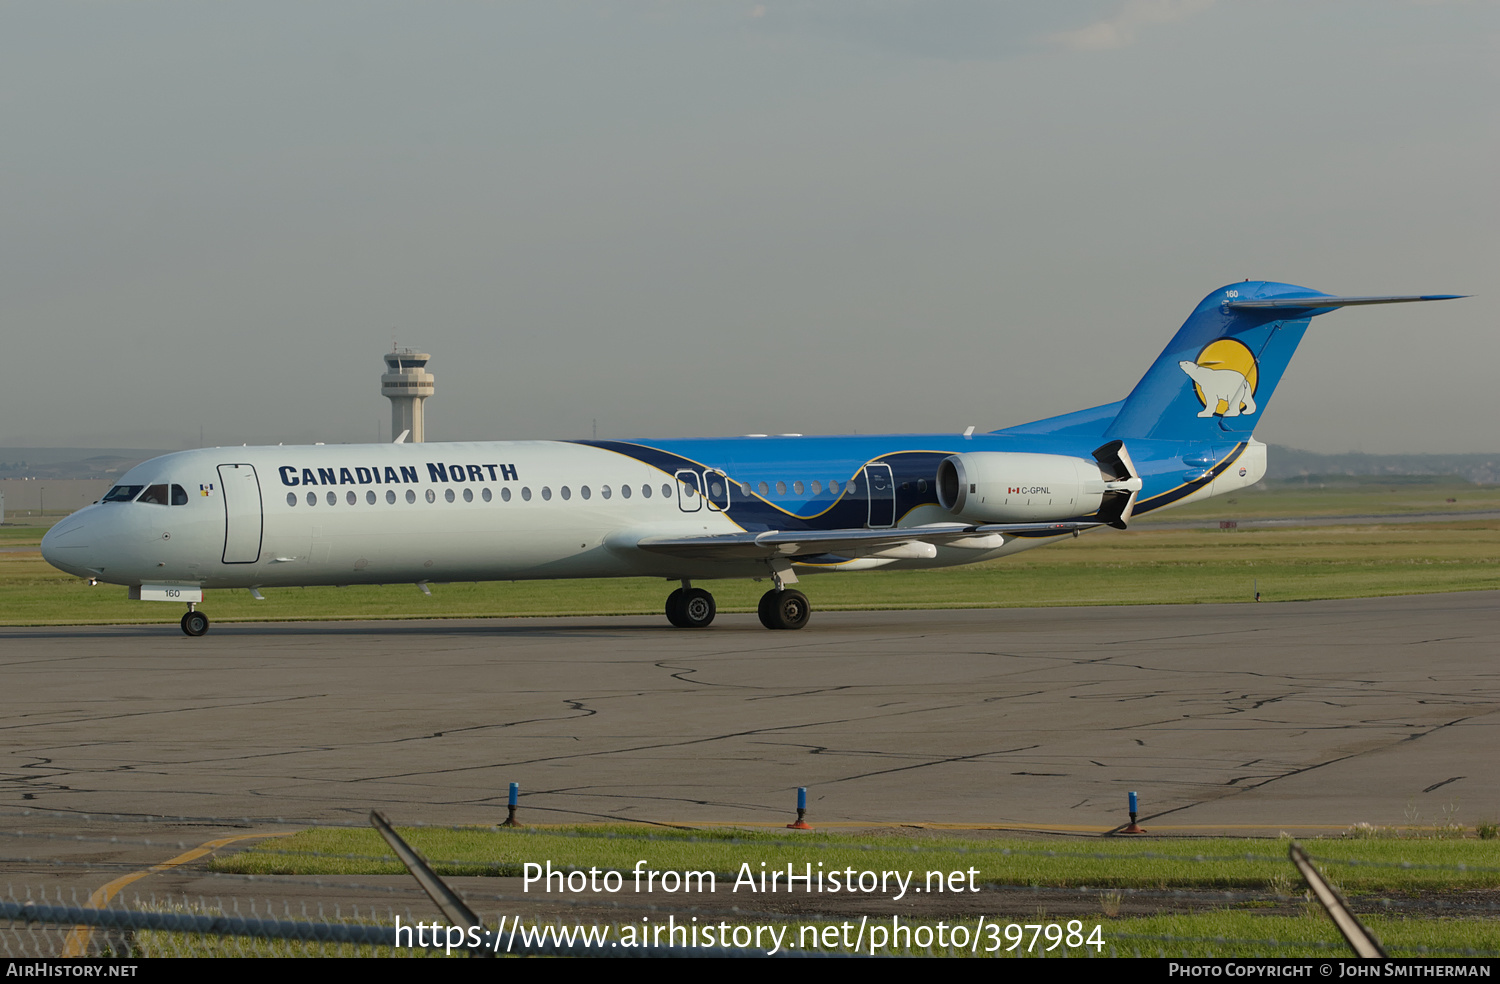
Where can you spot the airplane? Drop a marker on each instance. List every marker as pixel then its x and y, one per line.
pixel 686 510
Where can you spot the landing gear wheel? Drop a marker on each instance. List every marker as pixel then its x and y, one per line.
pixel 698 609
pixel 691 608
pixel 194 624
pixel 784 609
pixel 674 609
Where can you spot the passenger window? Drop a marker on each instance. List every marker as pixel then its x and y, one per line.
pixel 833 487
pixel 584 492
pixel 625 491
pixel 411 496
pixel 333 498
pixel 745 489
pixel 526 493
pixel 431 496
pixel 156 494
pixel 546 493
pixel 666 491
pixel 449 496
pixel 351 498
pixel 566 494
pixel 485 494
pixel 370 497
pixel 604 491
pixel 645 491
pixel 797 487
pixel 312 498
pixel 468 495
pixel 765 489
pixel 505 494
pixel 291 498
pixel 781 488
pixel 715 489
pixel 179 495
pixel 390 497
pixel 816 488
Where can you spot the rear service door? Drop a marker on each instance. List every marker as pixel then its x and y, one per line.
pixel 882 495
pixel 242 514
pixel 716 490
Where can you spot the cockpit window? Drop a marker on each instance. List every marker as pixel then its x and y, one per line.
pixel 123 493
pixel 155 494
pixel 179 495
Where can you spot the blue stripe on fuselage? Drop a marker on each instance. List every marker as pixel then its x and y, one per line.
pixel 913 459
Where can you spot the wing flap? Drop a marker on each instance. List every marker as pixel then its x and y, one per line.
pixel 845 543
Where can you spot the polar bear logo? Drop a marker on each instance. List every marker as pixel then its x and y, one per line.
pixel 1227 385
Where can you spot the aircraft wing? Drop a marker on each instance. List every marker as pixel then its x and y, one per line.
pixel 846 543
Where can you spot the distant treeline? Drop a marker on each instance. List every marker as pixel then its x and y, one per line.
pixel 1292 463
pixel 70 463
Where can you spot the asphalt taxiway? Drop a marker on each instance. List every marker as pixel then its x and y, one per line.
pixel 131 752
pixel 1222 717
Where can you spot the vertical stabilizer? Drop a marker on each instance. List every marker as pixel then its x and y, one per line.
pixel 1213 380
pixel 1215 377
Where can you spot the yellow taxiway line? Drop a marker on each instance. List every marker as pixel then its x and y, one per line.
pixel 77 942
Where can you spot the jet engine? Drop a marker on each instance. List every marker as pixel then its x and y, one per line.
pixel 1019 487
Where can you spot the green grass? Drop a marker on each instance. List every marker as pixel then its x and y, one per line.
pixel 1139 566
pixel 1385 865
pixel 15 533
pixel 1340 496
pixel 1102 568
pixel 1241 934
pixel 1361 867
pixel 1223 933
pixel 1211 934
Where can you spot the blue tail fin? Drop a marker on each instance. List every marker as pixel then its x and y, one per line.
pixel 1215 377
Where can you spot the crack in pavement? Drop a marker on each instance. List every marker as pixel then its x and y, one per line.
pixel 1319 765
pixel 929 764
pixel 164 712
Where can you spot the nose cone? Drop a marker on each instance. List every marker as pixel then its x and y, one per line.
pixel 66 546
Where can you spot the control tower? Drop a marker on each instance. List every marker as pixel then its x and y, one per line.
pixel 406 383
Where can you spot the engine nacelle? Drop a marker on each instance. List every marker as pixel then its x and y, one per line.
pixel 1018 487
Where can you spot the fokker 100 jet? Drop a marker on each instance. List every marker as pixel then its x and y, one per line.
pixel 698 509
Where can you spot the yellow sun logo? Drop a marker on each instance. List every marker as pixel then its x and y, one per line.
pixel 1228 368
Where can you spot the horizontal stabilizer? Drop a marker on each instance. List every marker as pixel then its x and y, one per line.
pixel 1333 302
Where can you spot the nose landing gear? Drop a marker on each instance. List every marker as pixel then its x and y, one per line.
pixel 194 623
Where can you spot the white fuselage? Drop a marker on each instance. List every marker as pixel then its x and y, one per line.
pixel 374 514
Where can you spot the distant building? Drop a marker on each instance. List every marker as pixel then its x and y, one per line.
pixel 406 383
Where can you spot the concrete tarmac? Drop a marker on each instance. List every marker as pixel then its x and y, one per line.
pixel 1302 717
pixel 1297 716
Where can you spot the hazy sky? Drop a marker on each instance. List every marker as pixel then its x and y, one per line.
pixel 690 217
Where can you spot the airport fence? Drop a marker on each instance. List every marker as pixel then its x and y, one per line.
pixel 40 917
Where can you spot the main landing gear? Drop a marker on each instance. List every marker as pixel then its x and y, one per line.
pixel 194 623
pixel 693 608
pixel 690 608
pixel 784 608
